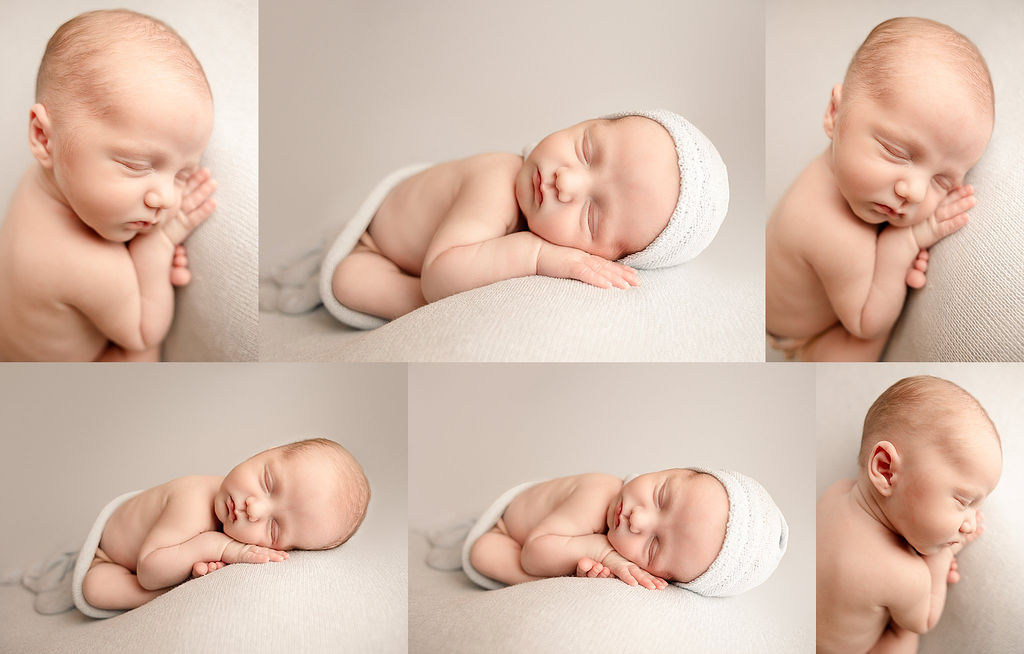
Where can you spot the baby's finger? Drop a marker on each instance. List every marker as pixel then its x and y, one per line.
pixel 194 199
pixel 195 179
pixel 948 208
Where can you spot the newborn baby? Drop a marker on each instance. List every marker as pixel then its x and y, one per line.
pixel 309 495
pixel 91 243
pixel 714 532
pixel 590 202
pixel 887 540
pixel 913 115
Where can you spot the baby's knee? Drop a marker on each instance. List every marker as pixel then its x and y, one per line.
pixel 343 281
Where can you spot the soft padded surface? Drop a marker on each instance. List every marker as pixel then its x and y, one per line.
pixel 241 608
pixel 979 609
pixel 691 313
pixel 972 308
pixel 452 614
pixel 216 315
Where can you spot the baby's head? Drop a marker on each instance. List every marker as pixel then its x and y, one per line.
pixel 645 187
pixel 123 113
pixel 309 495
pixel 930 454
pixel 714 532
pixel 912 116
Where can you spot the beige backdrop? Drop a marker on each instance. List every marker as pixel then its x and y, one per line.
pixel 350 91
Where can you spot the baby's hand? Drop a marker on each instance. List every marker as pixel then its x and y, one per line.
pixel 196 206
pixel 949 216
pixel 200 568
pixel 237 552
pixel 634 575
pixel 587 567
pixel 570 263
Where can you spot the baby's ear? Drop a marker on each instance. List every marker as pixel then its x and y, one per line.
pixel 40 132
pixel 883 465
pixel 832 109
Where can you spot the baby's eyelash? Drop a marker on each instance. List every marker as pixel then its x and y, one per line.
pixel 133 166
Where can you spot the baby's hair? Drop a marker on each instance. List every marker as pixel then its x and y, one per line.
pixel 911 407
pixel 73 69
pixel 354 488
pixel 876 62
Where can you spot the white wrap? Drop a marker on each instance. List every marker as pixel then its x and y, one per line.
pixel 347 239
pixel 86 554
pixel 488 519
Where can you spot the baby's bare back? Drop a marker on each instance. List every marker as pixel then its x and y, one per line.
pixel 46 257
pixel 811 224
pixel 855 559
pixel 132 522
pixel 415 209
pixel 590 494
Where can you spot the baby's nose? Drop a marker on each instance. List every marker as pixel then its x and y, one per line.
pixel 253 509
pixel 912 189
pixel 568 184
pixel 637 520
pixel 969 524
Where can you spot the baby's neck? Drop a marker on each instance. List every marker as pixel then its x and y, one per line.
pixel 45 181
pixel 866 499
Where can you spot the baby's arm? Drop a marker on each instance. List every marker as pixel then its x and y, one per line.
pixel 153 255
pixel 868 300
pixel 130 301
pixel 921 592
pixel 174 545
pixel 470 250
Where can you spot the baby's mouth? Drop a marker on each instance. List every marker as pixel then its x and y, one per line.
pixel 230 504
pixel 538 192
pixel 618 514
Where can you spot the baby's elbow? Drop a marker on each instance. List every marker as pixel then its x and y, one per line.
pixel 433 281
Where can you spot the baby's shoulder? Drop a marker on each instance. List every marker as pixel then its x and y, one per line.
pixel 489 164
pixel 192 488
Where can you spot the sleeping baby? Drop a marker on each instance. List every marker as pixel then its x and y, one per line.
pixel 913 115
pixel 309 495
pixel 887 540
pixel 714 532
pixel 591 202
pixel 92 240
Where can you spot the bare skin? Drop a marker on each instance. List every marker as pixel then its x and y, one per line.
pixel 587 525
pixel 92 240
pixel 71 312
pixel 192 526
pixel 886 543
pixel 584 197
pixel 853 231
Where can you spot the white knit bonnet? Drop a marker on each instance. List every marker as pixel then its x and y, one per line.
pixel 703 194
pixel 756 536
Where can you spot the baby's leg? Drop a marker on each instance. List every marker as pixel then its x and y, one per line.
pixel 369 282
pixel 497 555
pixel 896 640
pixel 108 585
pixel 837 344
